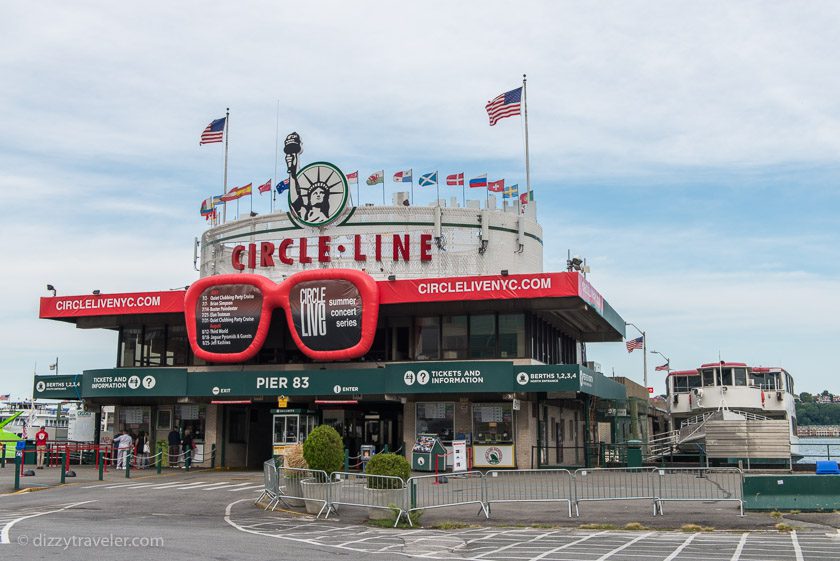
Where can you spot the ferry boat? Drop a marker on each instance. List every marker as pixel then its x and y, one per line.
pixel 730 413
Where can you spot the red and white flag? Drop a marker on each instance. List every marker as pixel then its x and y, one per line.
pixel 353 177
pixel 663 367
pixel 633 344
pixel 496 186
pixel 265 187
pixel 455 179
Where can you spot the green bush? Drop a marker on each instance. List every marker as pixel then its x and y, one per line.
pixel 324 450
pixel 387 464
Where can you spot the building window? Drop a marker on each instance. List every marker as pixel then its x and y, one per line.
pixel 511 335
pixel 427 338
pixel 454 337
pixel 177 346
pixel 483 336
pixel 154 339
pixel 493 423
pixel 130 345
pixel 436 418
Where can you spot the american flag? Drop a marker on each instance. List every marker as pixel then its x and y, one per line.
pixel 455 179
pixel 665 367
pixel 634 344
pixel 4 397
pixel 214 132
pixel 505 105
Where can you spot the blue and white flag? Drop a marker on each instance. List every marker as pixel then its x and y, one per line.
pixel 403 176
pixel 428 179
pixel 283 186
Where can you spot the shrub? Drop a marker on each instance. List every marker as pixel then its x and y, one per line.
pixel 387 464
pixel 324 450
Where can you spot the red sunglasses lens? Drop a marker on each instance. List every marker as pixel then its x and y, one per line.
pixel 227 317
pixel 327 314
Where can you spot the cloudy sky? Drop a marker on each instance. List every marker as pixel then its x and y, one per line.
pixel 690 151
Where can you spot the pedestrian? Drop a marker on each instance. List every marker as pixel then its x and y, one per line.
pixel 188 444
pixel 41 438
pixel 122 444
pixel 174 440
pixel 142 450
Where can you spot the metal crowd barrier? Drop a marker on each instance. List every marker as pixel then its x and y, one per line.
pixel 657 485
pixel 699 484
pixel 614 484
pixel 368 491
pixel 529 485
pixel 441 491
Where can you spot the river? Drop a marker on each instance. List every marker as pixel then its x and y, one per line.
pixel 817 448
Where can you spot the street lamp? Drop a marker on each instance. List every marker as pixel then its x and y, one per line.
pixel 644 350
pixel 667 360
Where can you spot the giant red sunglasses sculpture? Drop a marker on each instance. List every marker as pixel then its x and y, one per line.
pixel 331 314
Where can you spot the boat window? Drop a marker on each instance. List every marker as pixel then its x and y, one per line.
pixel 693 382
pixel 709 377
pixel 681 384
pixel 789 380
pixel 726 377
pixel 740 376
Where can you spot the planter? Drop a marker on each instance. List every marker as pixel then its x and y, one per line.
pixel 314 494
pixel 292 487
pixel 384 498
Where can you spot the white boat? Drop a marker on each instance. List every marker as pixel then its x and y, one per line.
pixel 731 413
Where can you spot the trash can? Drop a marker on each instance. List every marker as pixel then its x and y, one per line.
pixel 634 453
pixel 428 451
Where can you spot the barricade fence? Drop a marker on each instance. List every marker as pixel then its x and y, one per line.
pixel 417 493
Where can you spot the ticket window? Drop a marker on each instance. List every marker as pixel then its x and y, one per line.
pixel 436 418
pixel 292 428
pixel 493 423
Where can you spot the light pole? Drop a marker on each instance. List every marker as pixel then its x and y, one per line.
pixel 667 360
pixel 644 350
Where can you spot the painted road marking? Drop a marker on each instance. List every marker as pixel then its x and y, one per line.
pixel 252 488
pixel 570 544
pixel 4 533
pixel 223 485
pixel 796 549
pixel 737 555
pixel 681 547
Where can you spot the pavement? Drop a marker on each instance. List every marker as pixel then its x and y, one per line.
pixel 211 514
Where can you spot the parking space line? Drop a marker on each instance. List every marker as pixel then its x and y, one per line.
pixel 545 554
pixel 737 555
pixel 514 544
pixel 625 546
pixel 681 547
pixel 796 549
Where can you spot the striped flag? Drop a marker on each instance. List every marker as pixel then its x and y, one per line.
pixel 455 179
pixel 265 187
pixel 480 181
pixel 496 186
pixel 353 177
pixel 4 397
pixel 664 367
pixel 427 179
pixel 506 105
pixel 376 177
pixel 633 344
pixel 511 191
pixel 403 176
pixel 208 205
pixel 214 132
pixel 237 193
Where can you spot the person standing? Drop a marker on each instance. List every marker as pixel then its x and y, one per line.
pixel 188 444
pixel 122 444
pixel 174 440
pixel 41 438
pixel 142 450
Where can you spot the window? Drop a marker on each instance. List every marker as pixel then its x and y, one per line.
pixel 436 418
pixel 454 337
pixel 511 335
pixel 483 336
pixel 740 376
pixel 164 419
pixel 130 343
pixel 708 377
pixel 681 384
pixel 427 338
pixel 493 422
pixel 154 339
pixel 693 382
pixel 177 346
pixel 726 377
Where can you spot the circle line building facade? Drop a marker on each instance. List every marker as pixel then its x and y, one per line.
pixel 384 322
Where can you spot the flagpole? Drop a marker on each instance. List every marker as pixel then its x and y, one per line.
pixel 411 171
pixel 437 187
pixel 383 187
pixel 276 150
pixel 358 189
pixel 527 155
pixel 464 191
pixel 224 186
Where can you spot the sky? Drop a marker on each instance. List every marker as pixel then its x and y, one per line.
pixel 689 151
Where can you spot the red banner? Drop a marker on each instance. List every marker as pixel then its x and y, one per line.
pixel 170 301
pixel 538 285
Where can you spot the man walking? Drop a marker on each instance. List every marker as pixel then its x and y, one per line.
pixel 122 444
pixel 41 438
pixel 174 439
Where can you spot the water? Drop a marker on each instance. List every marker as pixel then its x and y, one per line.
pixel 814 449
